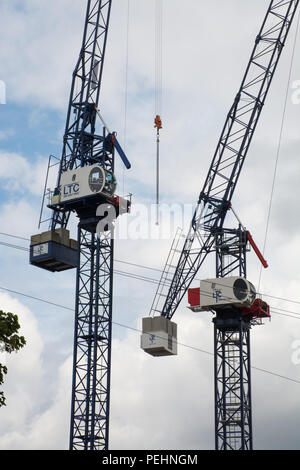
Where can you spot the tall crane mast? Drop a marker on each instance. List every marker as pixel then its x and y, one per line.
pixel 207 234
pixel 86 186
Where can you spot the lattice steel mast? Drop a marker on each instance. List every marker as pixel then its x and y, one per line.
pixel 233 407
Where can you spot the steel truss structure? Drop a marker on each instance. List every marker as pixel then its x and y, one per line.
pixel 231 248
pixel 92 342
pixel 233 416
pixel 233 412
pixel 92 333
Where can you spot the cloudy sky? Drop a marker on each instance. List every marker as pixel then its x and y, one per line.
pixel 156 403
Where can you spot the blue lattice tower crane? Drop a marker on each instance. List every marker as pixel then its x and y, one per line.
pixel 86 185
pixel 230 296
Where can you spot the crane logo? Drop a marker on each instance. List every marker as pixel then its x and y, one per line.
pixel 70 189
pixel 151 339
pixel 41 249
pixel 217 295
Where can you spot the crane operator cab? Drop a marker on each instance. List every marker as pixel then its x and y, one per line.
pixel 83 189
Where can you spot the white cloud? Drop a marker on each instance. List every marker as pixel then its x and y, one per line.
pixel 42 50
pixel 37 412
pixel 25 373
pixel 21 176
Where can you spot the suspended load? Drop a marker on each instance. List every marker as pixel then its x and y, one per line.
pixel 159 336
pixel 53 250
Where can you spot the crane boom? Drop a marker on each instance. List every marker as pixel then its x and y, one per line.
pixel 241 122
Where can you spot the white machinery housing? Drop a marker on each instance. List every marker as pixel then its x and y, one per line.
pixel 221 293
pixel 159 336
pixel 84 182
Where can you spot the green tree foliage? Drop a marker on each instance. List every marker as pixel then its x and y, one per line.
pixel 10 341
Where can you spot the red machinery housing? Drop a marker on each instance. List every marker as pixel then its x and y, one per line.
pixel 259 309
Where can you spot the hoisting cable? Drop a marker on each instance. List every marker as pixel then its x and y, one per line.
pixel 158 92
pixel 279 145
pixel 126 85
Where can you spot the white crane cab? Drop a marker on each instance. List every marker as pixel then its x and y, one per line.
pixel 159 336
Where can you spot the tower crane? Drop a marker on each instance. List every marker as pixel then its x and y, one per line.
pixel 86 186
pixel 231 298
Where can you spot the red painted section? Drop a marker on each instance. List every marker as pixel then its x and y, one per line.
pixel 257 251
pixel 194 297
pixel 259 309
